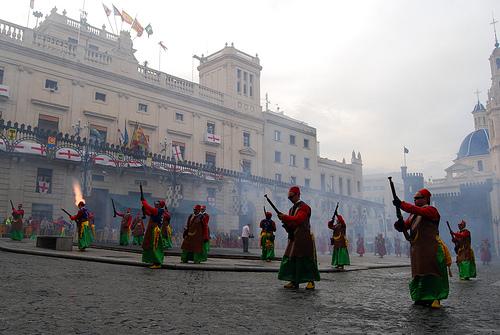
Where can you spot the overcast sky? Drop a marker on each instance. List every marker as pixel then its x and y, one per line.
pixel 369 75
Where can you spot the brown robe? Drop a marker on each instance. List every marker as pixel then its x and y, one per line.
pixel 339 230
pixel 423 246
pixel 193 235
pixel 465 252
pixel 303 244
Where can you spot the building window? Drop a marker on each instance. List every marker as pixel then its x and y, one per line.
pixel 292 160
pixel 245 89
pixel 41 211
pixel 210 159
pixel 341 185
pixel 51 85
pixel 238 73
pixel 359 186
pixel 292 139
pixel 306 163
pixel 293 180
pixel 178 151
pixel 498 63
pixel 43 181
pixel 307 182
pixel 97 177
pixel 332 184
pixel 306 143
pixel 211 128
pixel 238 87
pixel 323 182
pixel 246 139
pixel 277 135
pixel 98 134
pixel 349 193
pixel 93 47
pixel 246 166
pixel 250 90
pixel 100 96
pixel 238 81
pixel 211 195
pixel 277 177
pixel 72 40
pixel 47 122
pixel 142 108
pixel 179 117
pixel 277 156
pixel 480 166
pixel 1 76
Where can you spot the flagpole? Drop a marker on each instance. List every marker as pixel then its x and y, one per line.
pixel 132 24
pixel 29 12
pixel 116 26
pixel 159 57
pixel 404 155
pixel 112 29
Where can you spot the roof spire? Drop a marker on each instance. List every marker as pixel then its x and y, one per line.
pixel 494 22
pixel 477 92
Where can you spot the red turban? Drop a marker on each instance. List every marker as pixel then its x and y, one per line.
pixel 162 203
pixel 425 193
pixel 81 203
pixel 340 219
pixel 463 222
pixel 269 215
pixel 295 190
pixel 203 207
pixel 197 207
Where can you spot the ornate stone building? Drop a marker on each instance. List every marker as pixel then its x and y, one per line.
pixel 76 107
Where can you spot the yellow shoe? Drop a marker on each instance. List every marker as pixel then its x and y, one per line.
pixel 310 285
pixel 436 304
pixel 155 266
pixel 291 285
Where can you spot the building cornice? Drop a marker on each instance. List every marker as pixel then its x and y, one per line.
pixel 99 115
pixel 49 104
pixel 179 133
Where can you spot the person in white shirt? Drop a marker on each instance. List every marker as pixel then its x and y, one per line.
pixel 245 234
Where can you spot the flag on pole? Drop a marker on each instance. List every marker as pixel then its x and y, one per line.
pixel 127 18
pixel 137 27
pixel 32 4
pixel 116 12
pixel 149 30
pixel 139 140
pixel 106 10
pixel 405 150
pixel 125 135
pixel 163 46
pixel 177 153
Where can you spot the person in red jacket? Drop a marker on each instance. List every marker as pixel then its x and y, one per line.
pixel 125 225
pixel 17 230
pixel 360 246
pixel 299 263
pixel 153 241
pixel 268 227
pixel 428 263
pixel 82 223
pixel 138 230
pixel 192 245
pixel 340 255
pixel 465 255
pixel 206 232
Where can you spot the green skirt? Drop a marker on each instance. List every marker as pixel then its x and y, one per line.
pixel 340 257
pixel 267 248
pixel 86 239
pixel 137 240
pixel 298 269
pixel 167 242
pixel 16 235
pixel 467 269
pixel 206 249
pixel 430 288
pixel 33 236
pixel 196 257
pixel 154 255
pixel 124 238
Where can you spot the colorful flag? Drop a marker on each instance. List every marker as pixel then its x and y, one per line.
pixel 116 12
pixel 127 18
pixel 125 135
pixel 139 140
pixel 177 153
pixel 149 30
pixel 405 149
pixel 32 4
pixel 138 28
pixel 106 10
pixel 163 46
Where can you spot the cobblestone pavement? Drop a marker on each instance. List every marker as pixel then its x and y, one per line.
pixel 43 295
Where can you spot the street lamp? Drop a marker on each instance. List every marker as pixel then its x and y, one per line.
pixel 38 15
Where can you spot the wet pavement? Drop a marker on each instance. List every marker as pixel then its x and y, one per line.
pixel 46 295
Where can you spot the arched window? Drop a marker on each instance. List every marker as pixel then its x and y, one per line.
pixel 498 63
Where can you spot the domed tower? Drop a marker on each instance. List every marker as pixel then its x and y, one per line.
pixel 480 118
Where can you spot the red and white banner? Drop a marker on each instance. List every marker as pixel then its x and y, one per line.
pixel 212 138
pixel 43 187
pixel 28 147
pixel 69 154
pixel 133 163
pixel 106 160
pixel 3 144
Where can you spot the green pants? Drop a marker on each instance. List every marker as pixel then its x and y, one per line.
pixel 137 240
pixel 298 269
pixel 16 235
pixel 124 238
pixel 340 257
pixel 467 270
pixel 196 257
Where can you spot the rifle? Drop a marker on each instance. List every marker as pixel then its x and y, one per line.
pixel 12 205
pixel 114 208
pixel 65 211
pixel 453 239
pixel 142 198
pixel 288 230
pixel 264 211
pixel 400 222
pixel 335 213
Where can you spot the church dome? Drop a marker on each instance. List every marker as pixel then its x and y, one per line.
pixel 475 144
pixel 478 108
